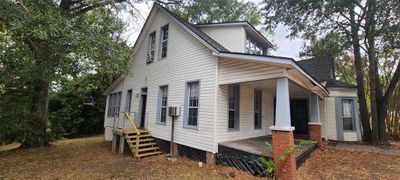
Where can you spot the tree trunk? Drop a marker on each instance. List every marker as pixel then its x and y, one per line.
pixel 378 110
pixel 366 127
pixel 36 131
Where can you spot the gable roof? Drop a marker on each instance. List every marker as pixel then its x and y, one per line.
pixel 247 26
pixel 193 29
pixel 323 70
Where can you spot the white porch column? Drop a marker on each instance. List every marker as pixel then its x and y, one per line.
pixel 314 114
pixel 282 110
pixel 282 133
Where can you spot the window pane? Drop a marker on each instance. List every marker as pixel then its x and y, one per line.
pixel 193 116
pixel 347 114
pixel 163 102
pixel 231 119
pixel 163 114
pixel 257 108
pixel 233 106
pixel 193 89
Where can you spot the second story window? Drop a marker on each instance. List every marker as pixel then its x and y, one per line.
pixel 164 41
pixel 252 47
pixel 151 48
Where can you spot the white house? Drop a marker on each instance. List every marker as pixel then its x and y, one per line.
pixel 227 86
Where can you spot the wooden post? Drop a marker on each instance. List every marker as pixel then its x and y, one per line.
pixel 114 143
pixel 121 144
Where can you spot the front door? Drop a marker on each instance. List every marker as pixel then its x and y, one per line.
pixel 142 108
pixel 299 116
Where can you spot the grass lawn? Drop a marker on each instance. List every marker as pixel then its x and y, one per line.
pixel 89 158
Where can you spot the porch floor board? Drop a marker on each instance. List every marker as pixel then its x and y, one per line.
pixel 257 145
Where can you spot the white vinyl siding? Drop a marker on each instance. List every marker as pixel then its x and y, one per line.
pixel 231 37
pixel 236 71
pixel 187 59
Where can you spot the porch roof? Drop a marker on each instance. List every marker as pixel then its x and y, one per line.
pixel 274 60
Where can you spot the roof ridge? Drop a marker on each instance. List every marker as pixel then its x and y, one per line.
pixel 195 30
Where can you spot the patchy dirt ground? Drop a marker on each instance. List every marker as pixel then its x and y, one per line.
pixel 332 163
pixel 89 158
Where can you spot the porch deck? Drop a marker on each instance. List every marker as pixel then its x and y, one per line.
pixel 257 146
pixel 244 154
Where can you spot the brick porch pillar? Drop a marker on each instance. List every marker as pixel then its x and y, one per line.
pixel 314 126
pixel 210 158
pixel 314 131
pixel 285 168
pixel 282 133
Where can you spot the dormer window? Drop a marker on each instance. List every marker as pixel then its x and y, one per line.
pixel 151 48
pixel 164 41
pixel 252 47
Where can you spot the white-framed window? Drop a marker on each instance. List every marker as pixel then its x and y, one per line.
pixel 163 104
pixel 252 47
pixel 151 48
pixel 114 104
pixel 257 109
pixel 233 106
pixel 164 41
pixel 192 104
pixel 348 114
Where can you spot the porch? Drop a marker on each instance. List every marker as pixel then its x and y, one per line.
pixel 244 154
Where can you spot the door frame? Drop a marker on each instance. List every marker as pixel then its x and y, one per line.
pixel 142 93
pixel 295 98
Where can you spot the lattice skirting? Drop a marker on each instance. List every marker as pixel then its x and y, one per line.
pixel 164 145
pixel 185 151
pixel 192 153
pixel 241 160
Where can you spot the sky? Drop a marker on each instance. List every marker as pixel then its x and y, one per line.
pixel 284 46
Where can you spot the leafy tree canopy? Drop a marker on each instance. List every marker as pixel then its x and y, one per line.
pixel 211 11
pixel 45 43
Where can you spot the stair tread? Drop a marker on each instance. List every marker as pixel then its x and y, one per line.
pixel 131 131
pixel 148 149
pixel 149 153
pixel 142 135
pixel 140 140
pixel 145 144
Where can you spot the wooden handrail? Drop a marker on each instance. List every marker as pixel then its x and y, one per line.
pixel 132 122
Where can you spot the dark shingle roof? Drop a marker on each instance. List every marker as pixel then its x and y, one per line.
pixel 337 83
pixel 322 69
pixel 198 32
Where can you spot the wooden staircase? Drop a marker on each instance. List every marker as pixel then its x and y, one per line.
pixel 141 143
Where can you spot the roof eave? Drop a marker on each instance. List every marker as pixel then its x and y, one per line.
pixel 275 60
